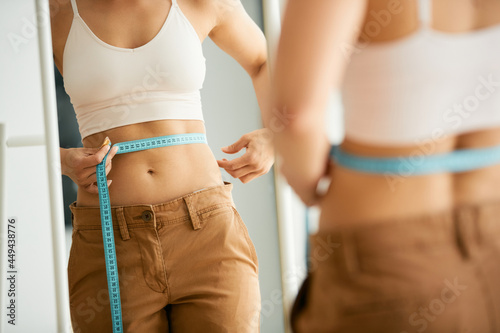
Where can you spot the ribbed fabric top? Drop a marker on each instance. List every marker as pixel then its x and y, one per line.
pixel 427 85
pixel 111 86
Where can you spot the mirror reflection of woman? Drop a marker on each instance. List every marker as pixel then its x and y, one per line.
pixel 133 70
pixel 414 252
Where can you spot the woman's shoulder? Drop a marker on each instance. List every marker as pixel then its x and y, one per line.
pixel 61 16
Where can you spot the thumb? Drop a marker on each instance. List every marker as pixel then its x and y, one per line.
pixel 237 146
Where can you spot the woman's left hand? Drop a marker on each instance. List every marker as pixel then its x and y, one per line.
pixel 257 160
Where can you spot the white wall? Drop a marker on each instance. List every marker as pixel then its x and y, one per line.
pixel 230 109
pixel 27 188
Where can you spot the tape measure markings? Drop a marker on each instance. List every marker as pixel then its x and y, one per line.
pixel 455 161
pixel 106 217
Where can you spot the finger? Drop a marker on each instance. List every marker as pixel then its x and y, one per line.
pixel 92 178
pixel 223 163
pixel 112 153
pixel 93 160
pixel 108 167
pixel 105 142
pixel 250 177
pixel 92 188
pixel 89 151
pixel 237 163
pixel 109 159
pixel 241 171
pixel 91 170
pixel 237 146
pixel 81 177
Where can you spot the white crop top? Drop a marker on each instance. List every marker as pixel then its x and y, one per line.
pixel 405 91
pixel 111 86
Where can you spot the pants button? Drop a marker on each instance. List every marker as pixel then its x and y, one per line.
pixel 147 215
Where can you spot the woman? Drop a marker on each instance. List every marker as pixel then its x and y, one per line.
pixel 133 70
pixel 407 241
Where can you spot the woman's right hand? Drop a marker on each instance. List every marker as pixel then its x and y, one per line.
pixel 79 164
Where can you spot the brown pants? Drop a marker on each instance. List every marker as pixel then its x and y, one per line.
pixel 187 265
pixel 436 273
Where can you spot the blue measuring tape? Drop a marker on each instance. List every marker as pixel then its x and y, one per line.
pixel 456 161
pixel 106 217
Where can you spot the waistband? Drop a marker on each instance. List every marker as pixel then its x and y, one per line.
pixel 193 207
pixel 467 228
pixel 419 163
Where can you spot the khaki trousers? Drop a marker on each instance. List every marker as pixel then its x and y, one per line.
pixel 187 265
pixel 435 273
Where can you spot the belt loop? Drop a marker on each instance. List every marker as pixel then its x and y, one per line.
pixel 122 223
pixel 195 220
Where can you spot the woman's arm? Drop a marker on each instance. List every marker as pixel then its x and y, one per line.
pixel 312 56
pixel 238 35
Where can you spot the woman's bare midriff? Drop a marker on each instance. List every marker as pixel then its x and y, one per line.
pixel 356 198
pixel 156 175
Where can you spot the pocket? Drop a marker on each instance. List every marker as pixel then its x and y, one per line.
pixel 383 286
pixel 86 257
pixel 251 247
